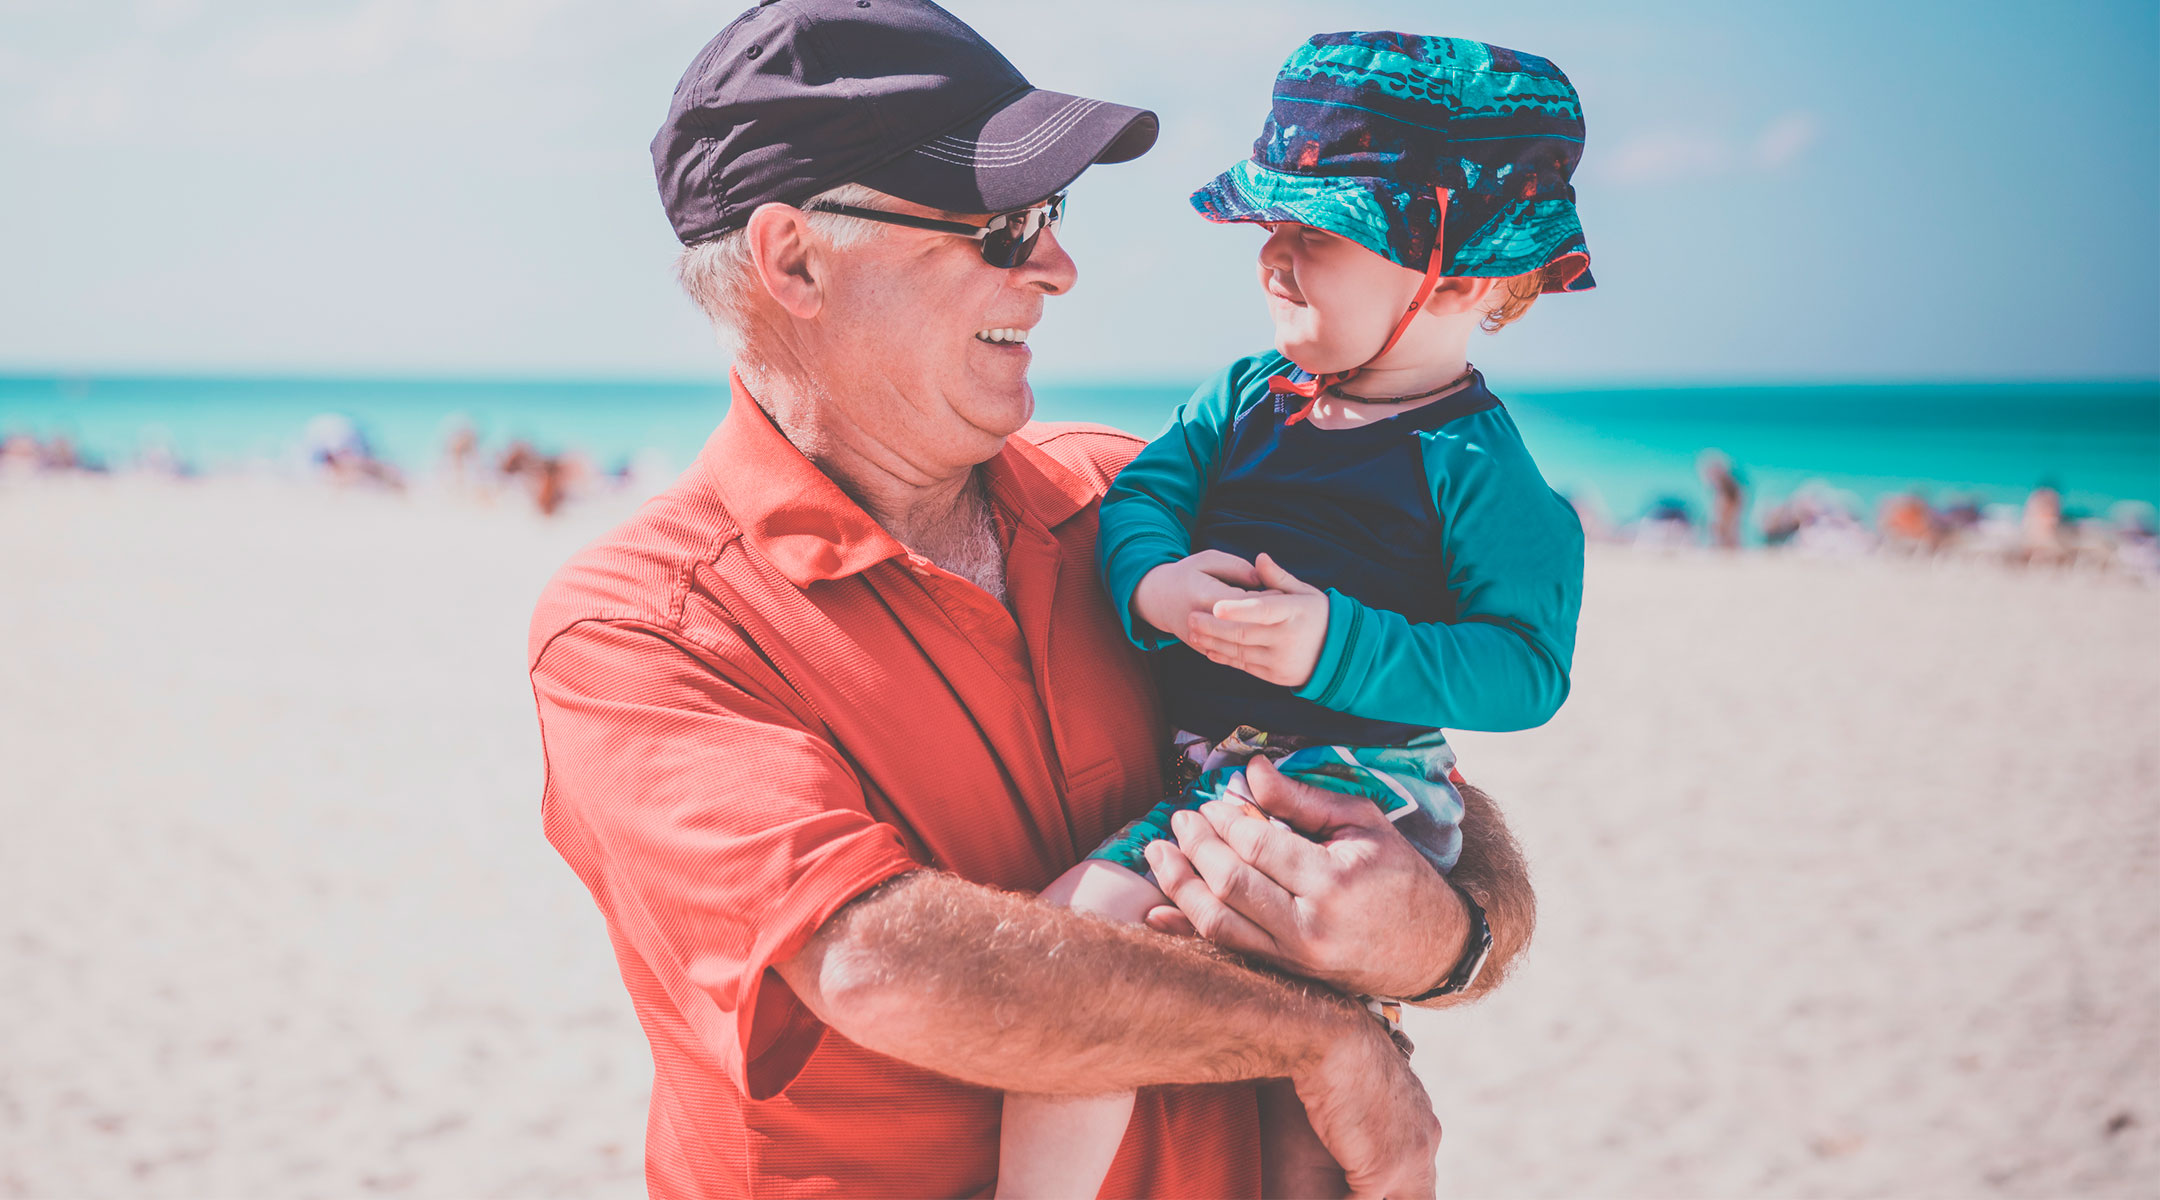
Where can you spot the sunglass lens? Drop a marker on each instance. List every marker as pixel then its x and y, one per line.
pixel 1010 244
pixel 1003 249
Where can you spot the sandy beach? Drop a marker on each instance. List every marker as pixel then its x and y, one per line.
pixel 1848 873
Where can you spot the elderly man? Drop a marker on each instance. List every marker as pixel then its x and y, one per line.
pixel 822 718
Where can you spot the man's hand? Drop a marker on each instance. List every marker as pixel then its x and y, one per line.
pixel 977 983
pixel 1171 594
pixel 1275 635
pixel 1373 1115
pixel 1356 907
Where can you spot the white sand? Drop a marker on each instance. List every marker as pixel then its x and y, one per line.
pixel 1848 875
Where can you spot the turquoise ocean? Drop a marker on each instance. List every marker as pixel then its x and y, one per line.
pixel 1622 448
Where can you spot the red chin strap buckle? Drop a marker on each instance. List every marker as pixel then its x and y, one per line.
pixel 1311 389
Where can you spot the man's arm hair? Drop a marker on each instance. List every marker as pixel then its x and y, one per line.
pixel 1492 870
pixel 1006 991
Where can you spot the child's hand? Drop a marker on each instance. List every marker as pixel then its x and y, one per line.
pixel 1274 635
pixel 1172 593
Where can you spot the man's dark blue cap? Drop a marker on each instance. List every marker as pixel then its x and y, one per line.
pixel 798 96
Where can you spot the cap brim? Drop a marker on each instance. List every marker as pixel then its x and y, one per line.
pixel 1023 153
pixel 1349 205
pixel 1340 204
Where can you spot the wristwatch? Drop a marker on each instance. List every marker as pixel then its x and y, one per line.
pixel 1477 947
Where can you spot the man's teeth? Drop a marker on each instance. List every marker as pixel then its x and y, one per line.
pixel 1003 337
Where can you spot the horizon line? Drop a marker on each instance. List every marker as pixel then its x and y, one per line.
pixel 1530 384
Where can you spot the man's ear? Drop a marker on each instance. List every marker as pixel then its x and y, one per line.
pixel 1461 293
pixel 780 243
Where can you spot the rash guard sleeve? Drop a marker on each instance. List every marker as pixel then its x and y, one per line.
pixel 1513 554
pixel 1148 513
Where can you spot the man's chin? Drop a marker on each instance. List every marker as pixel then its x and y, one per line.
pixel 1003 389
pixel 999 412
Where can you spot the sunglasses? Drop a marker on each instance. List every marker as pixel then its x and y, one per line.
pixel 1007 239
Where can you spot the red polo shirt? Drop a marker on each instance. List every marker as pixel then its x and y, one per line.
pixel 755 704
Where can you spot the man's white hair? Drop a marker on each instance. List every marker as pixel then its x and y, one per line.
pixel 720 276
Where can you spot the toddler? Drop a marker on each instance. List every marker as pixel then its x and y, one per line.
pixel 1340 548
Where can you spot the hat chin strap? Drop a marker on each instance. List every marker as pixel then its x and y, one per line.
pixel 1311 389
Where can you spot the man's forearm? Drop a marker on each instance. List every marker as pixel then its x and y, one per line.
pixel 1491 869
pixel 1006 991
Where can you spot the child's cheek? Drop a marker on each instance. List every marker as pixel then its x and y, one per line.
pixel 1296 332
pixel 1312 340
pixel 1288 317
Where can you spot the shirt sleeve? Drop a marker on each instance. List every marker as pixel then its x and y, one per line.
pixel 715 829
pixel 1148 513
pixel 1513 558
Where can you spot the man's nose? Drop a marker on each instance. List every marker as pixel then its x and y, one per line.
pixel 1048 268
pixel 1275 252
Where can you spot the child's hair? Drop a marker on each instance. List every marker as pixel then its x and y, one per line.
pixel 1517 293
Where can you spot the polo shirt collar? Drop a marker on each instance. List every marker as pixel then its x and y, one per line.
pixel 800 520
pixel 1034 485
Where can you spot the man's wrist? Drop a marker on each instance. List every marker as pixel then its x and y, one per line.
pixel 1447 922
pixel 1474 947
pixel 1342 1035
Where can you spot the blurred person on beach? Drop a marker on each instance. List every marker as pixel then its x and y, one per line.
pixel 339 449
pixel 57 455
pixel 827 713
pixel 460 455
pixel 20 452
pixel 1779 524
pixel 547 485
pixel 1728 497
pixel 1907 523
pixel 2046 543
pixel 1342 546
pixel 1817 519
pixel 547 478
pixel 60 455
pixel 1669 523
pixel 516 459
pixel 1962 515
pixel 2135 527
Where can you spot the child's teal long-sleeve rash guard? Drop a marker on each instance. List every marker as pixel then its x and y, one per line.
pixel 1453 573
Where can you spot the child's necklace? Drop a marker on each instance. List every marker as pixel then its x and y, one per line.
pixel 1449 386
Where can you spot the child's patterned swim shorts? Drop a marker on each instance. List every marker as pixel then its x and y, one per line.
pixel 1413 784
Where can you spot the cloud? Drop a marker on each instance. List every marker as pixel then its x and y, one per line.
pixel 1669 154
pixel 1676 155
pixel 1786 140
pixel 98 96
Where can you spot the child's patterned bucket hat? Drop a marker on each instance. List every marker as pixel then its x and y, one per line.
pixel 1399 142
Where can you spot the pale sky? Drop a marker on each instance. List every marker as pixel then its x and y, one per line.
pixel 1832 190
